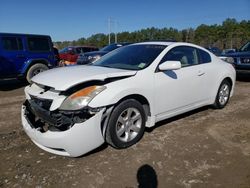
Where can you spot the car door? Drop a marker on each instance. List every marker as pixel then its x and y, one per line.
pixel 13 55
pixel 182 89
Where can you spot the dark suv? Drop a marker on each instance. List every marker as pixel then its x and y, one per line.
pixel 241 58
pixel 89 57
pixel 25 55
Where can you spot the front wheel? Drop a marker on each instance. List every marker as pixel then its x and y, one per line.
pixel 34 70
pixel 223 95
pixel 126 124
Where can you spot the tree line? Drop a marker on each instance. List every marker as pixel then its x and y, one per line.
pixel 229 34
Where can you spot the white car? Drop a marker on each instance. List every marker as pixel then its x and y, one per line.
pixel 72 110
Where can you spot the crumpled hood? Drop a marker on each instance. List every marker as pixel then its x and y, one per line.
pixel 65 77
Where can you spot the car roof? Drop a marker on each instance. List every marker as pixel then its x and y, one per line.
pixel 22 34
pixel 157 43
pixel 81 46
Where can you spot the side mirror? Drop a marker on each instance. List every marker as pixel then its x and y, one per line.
pixel 170 65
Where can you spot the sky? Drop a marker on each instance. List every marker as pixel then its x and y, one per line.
pixel 74 19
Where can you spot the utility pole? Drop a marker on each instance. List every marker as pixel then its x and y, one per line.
pixel 114 25
pixel 109 27
pixel 115 31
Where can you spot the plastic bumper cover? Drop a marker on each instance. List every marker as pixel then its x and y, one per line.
pixel 76 141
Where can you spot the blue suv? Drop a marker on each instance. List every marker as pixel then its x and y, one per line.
pixel 25 55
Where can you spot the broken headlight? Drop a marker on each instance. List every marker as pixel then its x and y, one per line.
pixel 81 98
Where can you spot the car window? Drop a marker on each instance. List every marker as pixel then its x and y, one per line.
pixel 41 44
pixel 186 55
pixel 111 47
pixel 204 56
pixel 12 43
pixel 88 49
pixel 78 50
pixel 64 50
pixel 245 48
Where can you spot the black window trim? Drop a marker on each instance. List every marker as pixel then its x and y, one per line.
pixel 17 42
pixel 39 51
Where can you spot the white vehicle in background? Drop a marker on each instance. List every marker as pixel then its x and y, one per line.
pixel 72 110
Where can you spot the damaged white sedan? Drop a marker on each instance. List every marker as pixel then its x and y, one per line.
pixel 72 110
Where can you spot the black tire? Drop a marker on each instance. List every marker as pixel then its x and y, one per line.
pixel 34 70
pixel 111 135
pixel 218 104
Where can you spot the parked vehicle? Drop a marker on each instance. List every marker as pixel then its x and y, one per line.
pixel 25 55
pixel 240 59
pixel 86 58
pixel 115 98
pixel 70 54
pixel 228 51
pixel 216 51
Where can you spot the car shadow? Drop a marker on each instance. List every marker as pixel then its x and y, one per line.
pixel 11 84
pixel 178 117
pixel 243 77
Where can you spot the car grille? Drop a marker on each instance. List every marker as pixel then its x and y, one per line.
pixel 245 60
pixel 235 60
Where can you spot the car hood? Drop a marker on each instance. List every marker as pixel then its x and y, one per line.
pixel 238 54
pixel 65 77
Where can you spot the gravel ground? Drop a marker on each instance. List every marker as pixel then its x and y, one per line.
pixel 203 148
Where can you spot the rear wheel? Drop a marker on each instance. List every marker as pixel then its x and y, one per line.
pixel 126 124
pixel 34 70
pixel 223 94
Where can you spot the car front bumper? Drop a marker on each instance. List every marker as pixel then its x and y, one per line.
pixel 76 141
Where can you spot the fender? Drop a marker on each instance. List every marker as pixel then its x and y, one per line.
pixel 122 88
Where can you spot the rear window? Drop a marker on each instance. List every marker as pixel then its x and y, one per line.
pixel 38 44
pixel 89 49
pixel 204 57
pixel 12 43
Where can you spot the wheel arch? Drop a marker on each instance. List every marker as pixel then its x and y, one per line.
pixel 229 80
pixel 32 62
pixel 141 99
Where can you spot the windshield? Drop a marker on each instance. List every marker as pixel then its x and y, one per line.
pixel 134 57
pixel 245 48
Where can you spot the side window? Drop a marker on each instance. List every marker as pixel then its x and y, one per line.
pixel 186 55
pixel 12 43
pixel 78 50
pixel 204 57
pixel 87 49
pixel 38 44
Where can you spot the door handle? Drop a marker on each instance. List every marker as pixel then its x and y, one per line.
pixel 200 73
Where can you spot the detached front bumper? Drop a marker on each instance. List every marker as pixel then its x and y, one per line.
pixel 76 141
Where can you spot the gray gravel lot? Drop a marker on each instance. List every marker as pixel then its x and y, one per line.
pixel 204 148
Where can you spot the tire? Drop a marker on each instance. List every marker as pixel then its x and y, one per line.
pixel 34 70
pixel 223 95
pixel 126 124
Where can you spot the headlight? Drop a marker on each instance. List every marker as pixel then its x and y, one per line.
pixel 81 98
pixel 94 58
pixel 228 59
